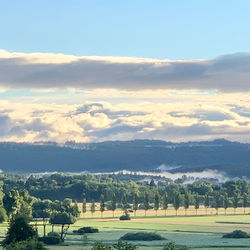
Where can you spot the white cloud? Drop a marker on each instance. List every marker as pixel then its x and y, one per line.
pixel 230 73
pixel 100 121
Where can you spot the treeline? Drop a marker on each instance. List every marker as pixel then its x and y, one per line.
pixel 91 187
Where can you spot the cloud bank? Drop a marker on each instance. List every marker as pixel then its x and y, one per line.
pixel 229 73
pixel 101 121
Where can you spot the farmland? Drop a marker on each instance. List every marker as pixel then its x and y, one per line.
pixel 194 231
pixel 197 232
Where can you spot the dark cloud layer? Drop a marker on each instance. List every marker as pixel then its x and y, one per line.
pixel 230 73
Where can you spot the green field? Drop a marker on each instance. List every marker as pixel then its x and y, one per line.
pixel 198 232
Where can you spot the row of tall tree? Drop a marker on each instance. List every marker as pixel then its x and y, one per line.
pixel 162 202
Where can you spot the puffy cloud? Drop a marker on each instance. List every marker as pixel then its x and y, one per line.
pixel 230 73
pixel 100 121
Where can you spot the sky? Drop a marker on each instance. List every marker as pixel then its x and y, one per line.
pixel 90 71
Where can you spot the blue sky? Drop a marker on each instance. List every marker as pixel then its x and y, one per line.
pixel 79 86
pixel 137 28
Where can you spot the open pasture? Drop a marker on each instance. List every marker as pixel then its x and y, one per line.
pixel 196 232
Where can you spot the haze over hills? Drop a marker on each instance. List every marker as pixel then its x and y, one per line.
pixel 232 158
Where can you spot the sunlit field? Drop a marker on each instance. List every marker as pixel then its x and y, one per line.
pixel 197 232
pixel 169 212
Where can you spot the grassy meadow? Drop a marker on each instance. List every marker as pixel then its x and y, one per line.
pixel 197 232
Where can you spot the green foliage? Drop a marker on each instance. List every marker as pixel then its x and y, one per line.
pixel 125 216
pixel 124 203
pixel 217 200
pixel 101 246
pixel 53 238
pixel 186 200
pixel 146 201
pixel 235 199
pixel 84 205
pixel 206 200
pixel 135 202
pixel 142 236
pixel 245 200
pixel 124 246
pixel 173 246
pixel 156 201
pixel 237 234
pixel 102 203
pixel 225 201
pixel 165 201
pixel 176 200
pixel 19 230
pixel 196 201
pixel 3 215
pixel 86 230
pixel 26 245
pixel 113 202
pixel 92 207
pixel 62 218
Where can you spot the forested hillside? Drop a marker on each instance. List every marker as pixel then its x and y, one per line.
pixel 141 155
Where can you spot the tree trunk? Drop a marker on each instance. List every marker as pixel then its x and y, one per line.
pixel 113 213
pixel 44 227
pixel 244 210
pixel 185 212
pixel 145 212
pixel 52 227
pixel 62 232
pixel 165 212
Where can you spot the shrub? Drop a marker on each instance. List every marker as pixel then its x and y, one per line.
pixel 52 238
pixel 26 245
pixel 101 246
pixel 3 215
pixel 148 236
pixel 124 246
pixel 173 246
pixel 237 234
pixel 86 230
pixel 125 216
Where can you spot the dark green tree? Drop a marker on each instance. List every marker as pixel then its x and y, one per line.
pixel 245 201
pixel 206 202
pixel 135 203
pixel 196 202
pixel 102 205
pixel 63 219
pixel 3 215
pixel 84 206
pixel 225 202
pixel 176 201
pixel 217 201
pixel 186 201
pixel 235 201
pixel 19 230
pixel 113 203
pixel 92 207
pixel 124 203
pixel 156 202
pixel 165 203
pixel 42 210
pixel 146 202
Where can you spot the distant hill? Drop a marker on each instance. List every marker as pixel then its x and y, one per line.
pixel 146 155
